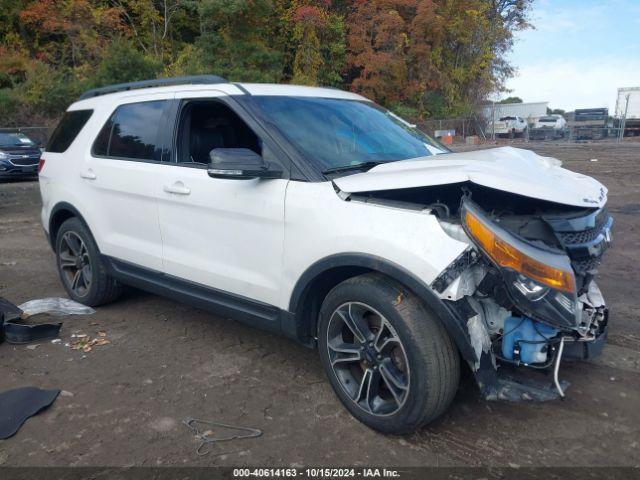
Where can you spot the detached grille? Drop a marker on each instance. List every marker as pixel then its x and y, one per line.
pixel 585 236
pixel 587 265
pixel 589 236
pixel 585 247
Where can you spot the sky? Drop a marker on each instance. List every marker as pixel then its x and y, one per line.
pixel 579 53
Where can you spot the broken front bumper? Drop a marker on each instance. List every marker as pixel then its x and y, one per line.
pixel 520 323
pixel 515 383
pixel 585 350
pixel 514 379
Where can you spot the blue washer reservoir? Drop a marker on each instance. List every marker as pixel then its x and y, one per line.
pixel 524 329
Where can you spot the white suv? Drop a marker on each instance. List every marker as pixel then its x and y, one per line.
pixel 508 125
pixel 315 213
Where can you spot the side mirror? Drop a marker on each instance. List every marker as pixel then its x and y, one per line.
pixel 240 164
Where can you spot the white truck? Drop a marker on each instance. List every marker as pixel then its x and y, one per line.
pixel 548 127
pixel 511 125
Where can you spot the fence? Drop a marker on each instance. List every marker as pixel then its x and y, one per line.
pixel 575 133
pixel 465 127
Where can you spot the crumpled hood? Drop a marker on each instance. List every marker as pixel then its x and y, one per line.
pixel 509 169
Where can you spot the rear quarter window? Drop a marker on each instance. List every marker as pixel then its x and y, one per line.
pixel 132 132
pixel 67 130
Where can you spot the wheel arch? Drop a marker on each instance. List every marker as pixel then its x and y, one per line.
pixel 316 282
pixel 60 213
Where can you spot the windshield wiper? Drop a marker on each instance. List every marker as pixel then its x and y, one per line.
pixel 364 166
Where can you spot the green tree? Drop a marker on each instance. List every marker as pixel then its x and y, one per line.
pixel 31 90
pixel 511 100
pixel 333 51
pixel 314 37
pixel 158 27
pixel 236 40
pixel 122 62
pixel 308 58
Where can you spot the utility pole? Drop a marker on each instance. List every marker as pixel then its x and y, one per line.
pixel 493 121
pixel 623 122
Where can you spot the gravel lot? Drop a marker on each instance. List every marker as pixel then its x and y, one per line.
pixel 123 403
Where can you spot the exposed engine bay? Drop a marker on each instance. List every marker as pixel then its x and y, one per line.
pixel 524 286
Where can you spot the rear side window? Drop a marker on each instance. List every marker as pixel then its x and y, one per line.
pixel 132 132
pixel 67 130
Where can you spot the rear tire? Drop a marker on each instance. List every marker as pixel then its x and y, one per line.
pixel 80 266
pixel 407 382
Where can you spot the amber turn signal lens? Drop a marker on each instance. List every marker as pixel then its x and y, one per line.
pixel 506 255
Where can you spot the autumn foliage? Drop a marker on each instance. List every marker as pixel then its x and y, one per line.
pixel 424 58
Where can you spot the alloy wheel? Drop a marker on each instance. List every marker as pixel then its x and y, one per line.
pixel 75 264
pixel 368 358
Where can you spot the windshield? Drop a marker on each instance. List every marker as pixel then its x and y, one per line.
pixel 15 140
pixel 337 133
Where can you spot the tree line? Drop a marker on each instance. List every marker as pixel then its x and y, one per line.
pixel 421 58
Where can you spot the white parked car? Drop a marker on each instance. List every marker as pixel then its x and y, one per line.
pixel 556 122
pixel 509 125
pixel 549 127
pixel 317 214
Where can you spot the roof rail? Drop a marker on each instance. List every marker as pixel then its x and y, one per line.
pixel 160 82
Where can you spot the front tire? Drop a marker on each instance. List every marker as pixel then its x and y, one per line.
pixel 388 357
pixel 81 269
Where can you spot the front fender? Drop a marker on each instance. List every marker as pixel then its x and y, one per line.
pixel 455 326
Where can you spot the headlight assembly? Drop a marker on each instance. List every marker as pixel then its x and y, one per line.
pixel 507 255
pixel 530 289
pixel 540 281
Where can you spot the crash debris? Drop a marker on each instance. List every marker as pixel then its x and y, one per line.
pixel 84 343
pixel 57 307
pixel 12 317
pixel 16 406
pixel 214 433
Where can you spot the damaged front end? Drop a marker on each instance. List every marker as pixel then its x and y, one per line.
pixel 525 288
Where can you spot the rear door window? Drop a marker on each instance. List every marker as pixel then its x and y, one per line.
pixel 132 132
pixel 67 130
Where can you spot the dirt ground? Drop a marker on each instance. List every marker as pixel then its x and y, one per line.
pixel 123 403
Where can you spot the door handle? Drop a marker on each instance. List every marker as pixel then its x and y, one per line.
pixel 178 188
pixel 88 174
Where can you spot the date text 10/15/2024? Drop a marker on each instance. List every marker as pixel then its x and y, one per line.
pixel 315 472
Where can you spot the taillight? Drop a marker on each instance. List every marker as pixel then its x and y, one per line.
pixel 40 164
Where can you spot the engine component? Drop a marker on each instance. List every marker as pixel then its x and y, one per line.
pixel 526 340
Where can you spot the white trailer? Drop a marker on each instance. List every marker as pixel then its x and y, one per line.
pixel 530 111
pixel 497 115
pixel 627 114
